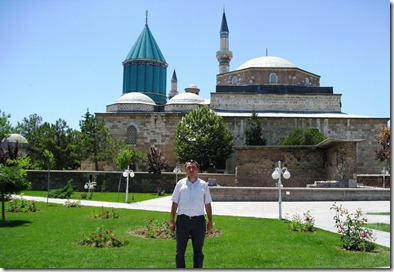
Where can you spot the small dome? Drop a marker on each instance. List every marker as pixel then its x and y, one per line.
pixel 192 86
pixel 13 138
pixel 186 98
pixel 135 98
pixel 267 62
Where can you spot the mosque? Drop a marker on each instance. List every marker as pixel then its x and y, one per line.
pixel 283 95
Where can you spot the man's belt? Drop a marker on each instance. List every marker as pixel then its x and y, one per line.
pixel 191 217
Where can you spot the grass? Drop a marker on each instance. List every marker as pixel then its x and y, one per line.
pixel 104 196
pixel 46 239
pixel 379 226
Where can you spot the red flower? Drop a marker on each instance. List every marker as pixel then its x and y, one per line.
pixel 106 231
pixel 339 230
pixel 363 234
pixel 100 235
pixel 112 237
pixel 307 219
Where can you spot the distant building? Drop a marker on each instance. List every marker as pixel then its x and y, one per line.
pixel 283 95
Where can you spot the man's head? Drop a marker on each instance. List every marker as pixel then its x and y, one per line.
pixel 191 167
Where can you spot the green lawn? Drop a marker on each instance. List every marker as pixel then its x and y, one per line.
pixel 379 226
pixel 46 239
pixel 104 196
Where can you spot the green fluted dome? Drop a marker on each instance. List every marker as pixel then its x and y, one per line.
pixel 145 48
pixel 145 69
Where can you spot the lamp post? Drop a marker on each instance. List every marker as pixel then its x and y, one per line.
pixel 176 171
pixel 384 172
pixel 128 173
pixel 277 175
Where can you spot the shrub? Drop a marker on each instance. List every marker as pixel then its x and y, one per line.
pixel 64 192
pixel 303 224
pixel 351 227
pixel 105 214
pixel 72 204
pixel 101 238
pixel 21 205
pixel 303 136
pixel 154 229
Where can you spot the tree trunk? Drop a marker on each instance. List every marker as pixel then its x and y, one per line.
pixel 3 208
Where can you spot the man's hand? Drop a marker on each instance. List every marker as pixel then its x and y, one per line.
pixel 172 225
pixel 209 226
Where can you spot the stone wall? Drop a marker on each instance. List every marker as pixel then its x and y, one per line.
pixel 351 128
pixel 306 164
pixel 299 194
pixel 376 180
pixel 153 129
pixel 288 76
pixel 108 181
pixel 158 129
pixel 276 102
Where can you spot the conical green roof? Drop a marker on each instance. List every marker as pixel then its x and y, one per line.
pixel 145 47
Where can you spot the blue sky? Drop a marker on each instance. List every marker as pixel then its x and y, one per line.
pixel 58 58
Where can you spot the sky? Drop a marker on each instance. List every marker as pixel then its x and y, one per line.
pixel 60 58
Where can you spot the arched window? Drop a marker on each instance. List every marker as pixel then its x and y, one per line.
pixel 131 137
pixel 234 81
pixel 273 78
pixel 307 82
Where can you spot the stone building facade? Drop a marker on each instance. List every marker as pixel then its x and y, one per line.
pixel 283 95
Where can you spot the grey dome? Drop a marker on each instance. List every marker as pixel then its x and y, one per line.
pixel 267 62
pixel 186 98
pixel 13 138
pixel 135 98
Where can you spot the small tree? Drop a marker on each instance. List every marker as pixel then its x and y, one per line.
pixel 12 174
pixel 303 136
pixel 203 136
pixel 156 164
pixel 383 139
pixel 50 163
pixel 254 133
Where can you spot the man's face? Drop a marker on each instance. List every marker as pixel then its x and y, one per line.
pixel 191 169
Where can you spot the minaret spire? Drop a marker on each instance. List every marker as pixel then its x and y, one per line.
pixel 174 86
pixel 146 17
pixel 224 55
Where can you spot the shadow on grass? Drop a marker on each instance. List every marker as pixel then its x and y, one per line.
pixel 14 223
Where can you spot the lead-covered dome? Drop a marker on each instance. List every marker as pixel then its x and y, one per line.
pixel 132 102
pixel 267 62
pixel 184 102
pixel 135 98
pixel 186 98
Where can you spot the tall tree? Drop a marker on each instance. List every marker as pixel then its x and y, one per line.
pixel 203 136
pixel 254 133
pixel 95 139
pixel 5 125
pixel 383 154
pixel 58 138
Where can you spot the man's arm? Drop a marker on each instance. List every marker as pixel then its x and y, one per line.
pixel 208 209
pixel 174 207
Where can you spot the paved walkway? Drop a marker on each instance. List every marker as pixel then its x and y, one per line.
pixel 320 210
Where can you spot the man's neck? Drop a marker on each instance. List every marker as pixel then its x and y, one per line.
pixel 192 179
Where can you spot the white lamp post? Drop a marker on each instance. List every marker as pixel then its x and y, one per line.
pixel 384 173
pixel 128 173
pixel 277 175
pixel 176 171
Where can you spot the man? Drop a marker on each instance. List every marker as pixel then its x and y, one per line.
pixel 191 195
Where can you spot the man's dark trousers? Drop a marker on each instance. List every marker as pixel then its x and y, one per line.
pixel 194 227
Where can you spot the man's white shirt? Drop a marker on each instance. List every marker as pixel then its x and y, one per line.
pixel 191 197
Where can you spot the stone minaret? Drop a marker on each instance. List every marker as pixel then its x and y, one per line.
pixel 224 55
pixel 174 86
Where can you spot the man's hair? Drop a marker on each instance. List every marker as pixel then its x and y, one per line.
pixel 192 161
